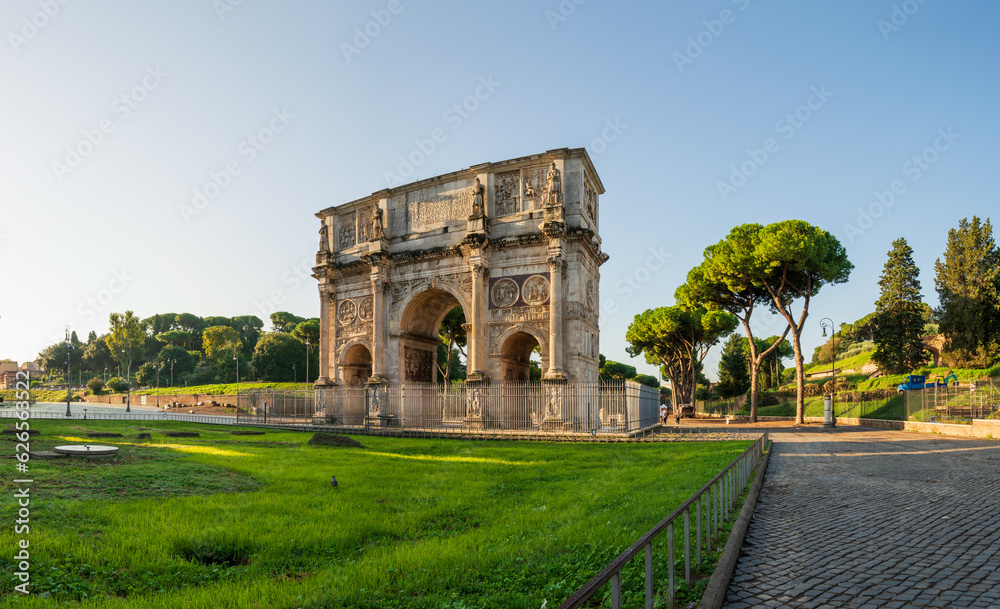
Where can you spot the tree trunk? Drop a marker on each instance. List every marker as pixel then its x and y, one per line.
pixel 754 389
pixel 800 378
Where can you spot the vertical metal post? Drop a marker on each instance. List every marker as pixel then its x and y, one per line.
pixel 708 520
pixel 616 590
pixel 687 546
pixel 670 565
pixel 697 515
pixel 649 575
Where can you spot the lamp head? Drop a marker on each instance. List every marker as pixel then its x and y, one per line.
pixel 824 331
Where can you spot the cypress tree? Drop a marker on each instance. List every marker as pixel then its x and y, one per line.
pixel 898 321
pixel 968 286
pixel 734 373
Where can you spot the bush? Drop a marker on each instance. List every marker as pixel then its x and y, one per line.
pixel 812 390
pixel 96 386
pixel 118 385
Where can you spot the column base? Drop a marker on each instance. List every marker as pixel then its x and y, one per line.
pixel 474 423
pixel 325 382
pixel 377 379
pixel 554 374
pixel 477 376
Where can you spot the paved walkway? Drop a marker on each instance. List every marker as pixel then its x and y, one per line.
pixel 867 518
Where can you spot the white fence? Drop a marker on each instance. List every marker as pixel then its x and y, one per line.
pixel 542 408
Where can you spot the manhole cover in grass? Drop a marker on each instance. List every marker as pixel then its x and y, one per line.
pixel 86 450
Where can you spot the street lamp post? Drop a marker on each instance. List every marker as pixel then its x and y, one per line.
pixel 295 376
pixel 128 379
pixel 69 349
pixel 307 361
pixel 171 373
pixel 826 322
pixel 236 357
pixel 157 364
pixel 105 374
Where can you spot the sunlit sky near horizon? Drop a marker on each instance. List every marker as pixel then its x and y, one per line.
pixel 113 114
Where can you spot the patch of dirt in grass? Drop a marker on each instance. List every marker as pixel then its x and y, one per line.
pixel 255 442
pixel 332 439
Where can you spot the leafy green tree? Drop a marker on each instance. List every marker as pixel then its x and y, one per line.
pixel 678 338
pixel 968 287
pixel 146 375
pixel 275 355
pixel 158 324
pixel 615 371
pixel 793 261
pixel 175 337
pixel 216 320
pixel 249 327
pixel 96 386
pixel 899 320
pixel 193 325
pixel 734 376
pixel 731 278
pixel 220 342
pixel 307 330
pixel 53 358
pixel 283 321
pixel 450 368
pixel 181 360
pixel 454 340
pixel 97 356
pixel 648 380
pixel 772 367
pixel 118 384
pixel 127 341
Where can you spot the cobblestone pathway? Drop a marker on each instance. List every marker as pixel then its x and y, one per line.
pixel 867 518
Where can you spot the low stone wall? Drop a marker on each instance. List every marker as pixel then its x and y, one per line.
pixel 182 399
pixel 980 428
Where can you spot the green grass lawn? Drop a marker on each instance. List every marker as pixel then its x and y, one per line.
pixel 893 408
pixel 855 361
pixel 223 388
pixel 39 395
pixel 252 521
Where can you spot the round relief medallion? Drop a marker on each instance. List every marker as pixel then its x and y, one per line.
pixel 504 293
pixel 346 311
pixel 535 290
pixel 365 309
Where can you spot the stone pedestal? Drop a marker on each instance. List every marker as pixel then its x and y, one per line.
pixel 555 424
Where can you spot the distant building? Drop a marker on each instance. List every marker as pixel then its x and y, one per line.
pixel 32 368
pixel 9 371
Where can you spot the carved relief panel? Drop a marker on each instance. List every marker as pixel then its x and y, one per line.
pixel 418 365
pixel 506 193
pixel 518 291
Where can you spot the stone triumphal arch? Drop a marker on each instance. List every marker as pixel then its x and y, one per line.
pixel 515 244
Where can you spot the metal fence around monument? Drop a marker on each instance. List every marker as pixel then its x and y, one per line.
pixel 618 408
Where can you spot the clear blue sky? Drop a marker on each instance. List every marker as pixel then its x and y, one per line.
pixel 105 231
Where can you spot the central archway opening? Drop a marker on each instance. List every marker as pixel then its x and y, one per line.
pixel 433 339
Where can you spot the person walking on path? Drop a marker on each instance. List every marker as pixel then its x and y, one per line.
pixel 663 414
pixel 677 415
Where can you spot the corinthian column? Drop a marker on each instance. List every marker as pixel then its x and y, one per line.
pixel 477 326
pixel 325 343
pixel 379 288
pixel 557 318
